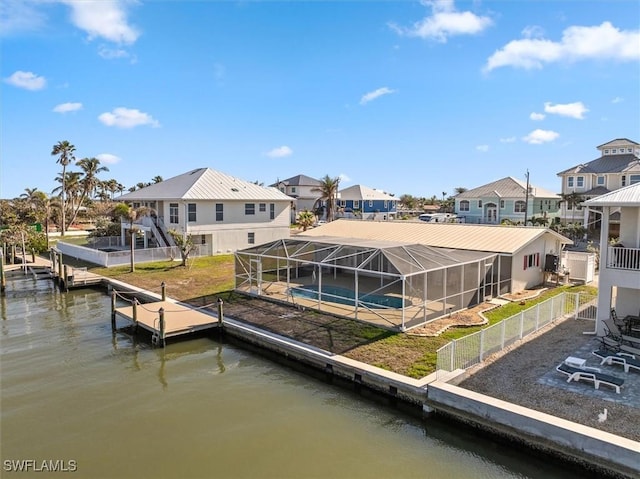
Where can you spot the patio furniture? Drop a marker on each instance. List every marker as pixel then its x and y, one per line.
pixel 612 345
pixel 591 374
pixel 626 360
pixel 614 332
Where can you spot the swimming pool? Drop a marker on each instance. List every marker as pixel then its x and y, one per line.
pixel 336 294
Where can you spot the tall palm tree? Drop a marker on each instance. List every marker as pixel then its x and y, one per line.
pixel 572 200
pixel 131 214
pixel 64 151
pixel 328 189
pixel 89 182
pixel 157 179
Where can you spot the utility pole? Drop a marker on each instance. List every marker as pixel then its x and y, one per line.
pixel 526 199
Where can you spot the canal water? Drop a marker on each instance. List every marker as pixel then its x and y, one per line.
pixel 76 397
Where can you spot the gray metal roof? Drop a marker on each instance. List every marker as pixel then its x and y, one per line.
pixel 626 196
pixel 298 180
pixel 507 188
pixel 605 164
pixel 493 238
pixel 617 142
pixel 205 184
pixel 360 192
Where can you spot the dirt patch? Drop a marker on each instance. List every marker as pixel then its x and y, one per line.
pixel 461 319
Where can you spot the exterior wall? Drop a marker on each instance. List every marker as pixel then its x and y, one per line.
pixel 232 239
pixel 371 206
pixel 536 207
pixel 522 278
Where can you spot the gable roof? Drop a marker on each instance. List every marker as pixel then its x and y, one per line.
pixel 604 164
pixel 496 239
pixel 205 184
pixel 625 196
pixel 360 192
pixel 617 142
pixel 507 187
pixel 298 180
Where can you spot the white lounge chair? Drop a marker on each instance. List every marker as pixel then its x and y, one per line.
pixel 596 377
pixel 626 360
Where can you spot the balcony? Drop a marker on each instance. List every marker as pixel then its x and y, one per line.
pixel 619 257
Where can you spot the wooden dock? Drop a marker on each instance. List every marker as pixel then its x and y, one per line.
pixel 165 319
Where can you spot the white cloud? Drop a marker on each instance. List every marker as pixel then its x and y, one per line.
pixel 280 152
pixel 19 16
pixel 537 137
pixel 108 158
pixel 104 19
pixel 344 178
pixel 127 118
pixel 578 43
pixel 572 110
pixel 510 139
pixel 617 99
pixel 67 107
pixel 533 31
pixel 366 98
pixel 113 53
pixel 445 22
pixel 483 148
pixel 26 80
pixel 537 116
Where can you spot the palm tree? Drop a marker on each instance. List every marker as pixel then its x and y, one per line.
pixel 328 189
pixel 64 150
pixel 305 219
pixel 460 189
pixel 572 200
pixel 89 182
pixel 157 179
pixel 131 215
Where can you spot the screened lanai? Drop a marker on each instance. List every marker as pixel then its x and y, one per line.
pixel 399 286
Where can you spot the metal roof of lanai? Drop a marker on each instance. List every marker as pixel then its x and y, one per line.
pixel 493 238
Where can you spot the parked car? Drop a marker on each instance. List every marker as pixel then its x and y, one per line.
pixel 437 217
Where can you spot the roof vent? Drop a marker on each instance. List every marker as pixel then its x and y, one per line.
pixel 235 189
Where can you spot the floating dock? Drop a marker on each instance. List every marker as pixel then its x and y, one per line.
pixel 166 319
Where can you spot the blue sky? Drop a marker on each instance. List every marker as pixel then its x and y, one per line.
pixel 407 97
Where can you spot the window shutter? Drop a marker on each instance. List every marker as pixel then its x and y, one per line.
pixel 537 259
pixel 526 261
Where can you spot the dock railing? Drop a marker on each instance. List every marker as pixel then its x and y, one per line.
pixel 475 348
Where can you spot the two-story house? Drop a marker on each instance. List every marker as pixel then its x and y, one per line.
pixel 507 199
pixel 221 212
pixel 365 203
pixel 619 277
pixel 303 190
pixel 617 166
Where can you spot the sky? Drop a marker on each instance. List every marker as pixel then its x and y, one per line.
pixel 403 96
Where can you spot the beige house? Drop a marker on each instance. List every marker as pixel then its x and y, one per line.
pixel 303 190
pixel 221 212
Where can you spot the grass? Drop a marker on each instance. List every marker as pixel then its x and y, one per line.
pixel 214 275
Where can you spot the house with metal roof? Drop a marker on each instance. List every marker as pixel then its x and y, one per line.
pixel 221 212
pixel 617 166
pixel 619 277
pixel 304 191
pixel 395 273
pixel 362 202
pixel 507 199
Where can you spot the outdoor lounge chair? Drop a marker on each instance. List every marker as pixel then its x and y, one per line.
pixel 626 360
pixel 596 377
pixel 614 332
pixel 609 344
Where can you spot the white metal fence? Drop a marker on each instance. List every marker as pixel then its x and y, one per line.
pixel 473 349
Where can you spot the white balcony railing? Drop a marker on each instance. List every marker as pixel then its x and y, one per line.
pixel 619 257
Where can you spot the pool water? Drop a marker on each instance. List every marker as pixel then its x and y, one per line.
pixel 336 294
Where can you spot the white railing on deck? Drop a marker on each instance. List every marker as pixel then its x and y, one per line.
pixel 619 257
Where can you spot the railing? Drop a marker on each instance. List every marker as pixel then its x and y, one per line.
pixel 100 242
pixel 619 257
pixel 473 349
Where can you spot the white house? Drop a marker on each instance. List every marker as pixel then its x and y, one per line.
pixel 619 278
pixel 221 212
pixel 304 191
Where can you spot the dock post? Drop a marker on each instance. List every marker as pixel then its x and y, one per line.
pixel 59 268
pixel 161 313
pixel 134 313
pixel 163 288
pixel 113 310
pixel 3 280
pixel 65 282
pixel 220 314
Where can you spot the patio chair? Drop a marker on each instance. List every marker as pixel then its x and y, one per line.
pixel 592 375
pixel 614 332
pixel 610 345
pixel 626 360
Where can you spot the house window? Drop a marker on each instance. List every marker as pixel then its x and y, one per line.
pixel 371 204
pixel 479 203
pixel 606 152
pixel 251 238
pixel 600 181
pixel 629 150
pixel 173 213
pixel 624 180
pixel 219 212
pixel 386 204
pixel 614 151
pixel 633 179
pixel 262 207
pixel 293 189
pixel 272 211
pixel 282 189
pixel 580 182
pixel 464 205
pixel 249 208
pixel 191 210
pixel 531 260
pixel 519 207
pixel 501 204
pixel 356 204
pixel 342 203
pixel 136 204
pixel 570 182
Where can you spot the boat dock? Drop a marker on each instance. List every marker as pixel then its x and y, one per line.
pixel 165 319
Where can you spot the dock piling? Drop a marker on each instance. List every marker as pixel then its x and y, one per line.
pixel 220 315
pixel 161 314
pixel 163 288
pixel 134 313
pixel 113 309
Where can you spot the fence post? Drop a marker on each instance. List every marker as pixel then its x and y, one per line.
pixel 521 323
pixel 577 311
pixel 453 355
pixel 503 332
pixel 481 344
pixel 537 316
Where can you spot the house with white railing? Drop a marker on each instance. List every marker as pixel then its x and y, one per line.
pixel 619 278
